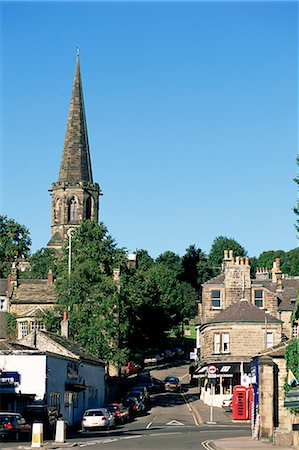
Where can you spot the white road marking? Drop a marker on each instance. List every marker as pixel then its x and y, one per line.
pixel 206 445
pixel 132 437
pixel 175 423
pixel 148 425
pixel 165 434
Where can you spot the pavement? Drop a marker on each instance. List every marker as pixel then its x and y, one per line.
pixel 202 414
pixel 221 417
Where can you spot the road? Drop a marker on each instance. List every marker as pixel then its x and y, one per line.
pixel 169 424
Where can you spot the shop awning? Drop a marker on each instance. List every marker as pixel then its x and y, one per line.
pixel 226 369
pixel 74 387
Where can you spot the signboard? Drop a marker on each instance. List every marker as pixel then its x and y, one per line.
pixel 192 355
pixel 10 378
pixel 291 399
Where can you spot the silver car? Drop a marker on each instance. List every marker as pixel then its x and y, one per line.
pixel 98 419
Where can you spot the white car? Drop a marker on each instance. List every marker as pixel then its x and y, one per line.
pixel 98 418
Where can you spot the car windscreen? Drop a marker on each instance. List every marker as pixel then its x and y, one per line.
pixel 97 412
pixel 171 380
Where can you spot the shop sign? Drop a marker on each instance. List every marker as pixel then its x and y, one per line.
pixel 291 399
pixel 9 378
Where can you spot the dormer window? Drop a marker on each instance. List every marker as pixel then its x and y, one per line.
pixel 259 298
pixel 216 299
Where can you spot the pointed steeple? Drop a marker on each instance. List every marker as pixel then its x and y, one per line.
pixel 75 163
pixel 75 197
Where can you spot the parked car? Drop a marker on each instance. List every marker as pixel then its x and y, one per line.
pixel 179 352
pixel 140 406
pixel 121 413
pixel 48 416
pixel 131 405
pixel 144 373
pixel 172 384
pixel 169 354
pixel 14 426
pixel 98 418
pixel 131 367
pixel 153 359
pixel 143 390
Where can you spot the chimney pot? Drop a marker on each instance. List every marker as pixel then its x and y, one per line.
pixel 50 277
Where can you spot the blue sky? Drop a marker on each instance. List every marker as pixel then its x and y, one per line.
pixel 192 114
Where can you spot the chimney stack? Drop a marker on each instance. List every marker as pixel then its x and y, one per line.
pixel 50 277
pixel 64 326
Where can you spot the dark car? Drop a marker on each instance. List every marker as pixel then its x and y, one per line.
pixel 143 390
pixel 14 426
pixel 172 384
pixel 42 414
pixel 131 405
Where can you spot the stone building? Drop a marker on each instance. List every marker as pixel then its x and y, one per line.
pixel 240 316
pixel 276 420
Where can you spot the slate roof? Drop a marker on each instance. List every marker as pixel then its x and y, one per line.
pixel 276 351
pixel 75 163
pixel 10 346
pixel 286 296
pixel 243 311
pixel 33 291
pixel 54 343
pixel 216 280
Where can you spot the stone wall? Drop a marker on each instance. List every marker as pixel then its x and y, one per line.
pixel 246 339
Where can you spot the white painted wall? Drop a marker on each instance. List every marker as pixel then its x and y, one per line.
pixel 32 368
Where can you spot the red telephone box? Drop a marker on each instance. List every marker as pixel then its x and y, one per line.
pixel 240 405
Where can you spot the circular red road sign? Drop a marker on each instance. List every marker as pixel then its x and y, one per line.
pixel 212 370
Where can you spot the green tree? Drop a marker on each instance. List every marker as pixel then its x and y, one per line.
pixel 14 243
pixel 40 263
pixel 220 244
pixel 172 261
pixel 144 260
pixel 89 292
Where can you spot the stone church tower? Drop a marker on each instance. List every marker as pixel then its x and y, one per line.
pixel 75 197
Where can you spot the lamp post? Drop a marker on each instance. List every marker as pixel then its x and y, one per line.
pixel 69 234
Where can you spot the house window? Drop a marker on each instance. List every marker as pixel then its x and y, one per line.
pixel 221 343
pixel 216 299
pixel 23 329
pixel 269 339
pixel 295 331
pixel 36 325
pixel 2 301
pixel 258 298
pixel 55 400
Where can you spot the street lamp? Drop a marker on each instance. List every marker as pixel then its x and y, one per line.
pixel 69 233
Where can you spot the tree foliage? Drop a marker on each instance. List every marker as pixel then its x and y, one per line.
pixel 41 262
pixel 89 293
pixel 14 243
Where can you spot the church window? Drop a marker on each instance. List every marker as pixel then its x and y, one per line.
pixel 216 299
pixel 258 298
pixel 88 208
pixel 72 210
pixel 57 211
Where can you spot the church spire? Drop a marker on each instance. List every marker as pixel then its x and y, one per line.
pixel 75 163
pixel 75 197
